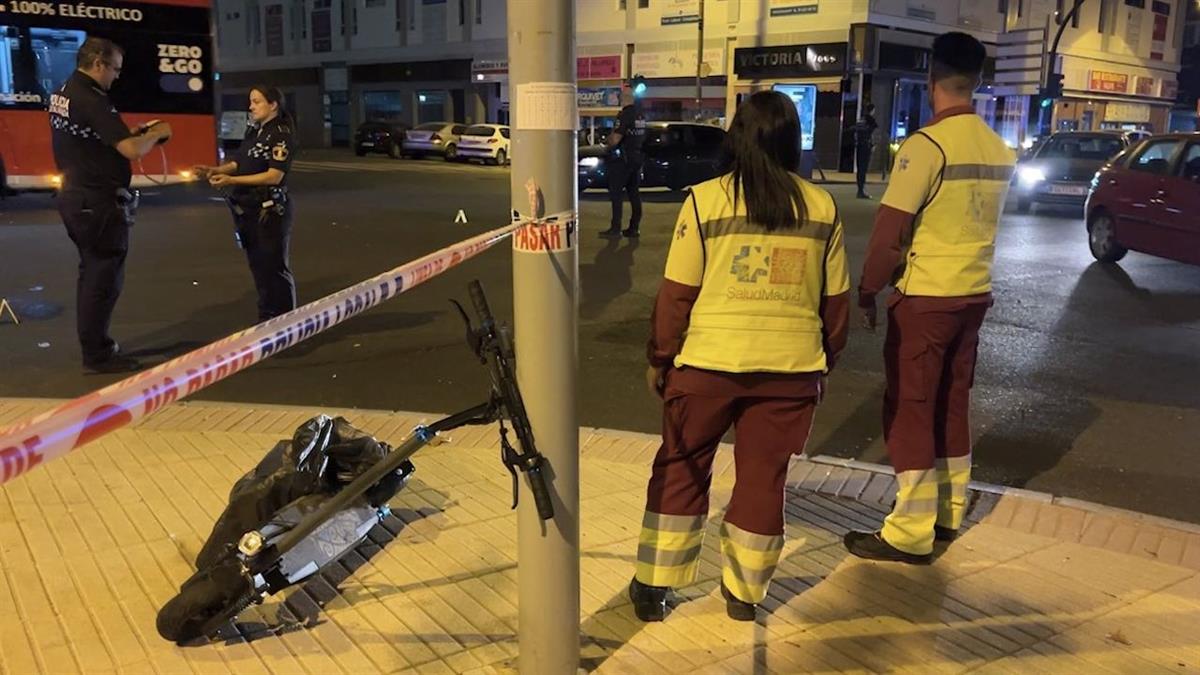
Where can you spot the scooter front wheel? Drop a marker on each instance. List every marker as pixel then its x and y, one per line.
pixel 207 601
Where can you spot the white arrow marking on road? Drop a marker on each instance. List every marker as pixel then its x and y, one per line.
pixel 461 217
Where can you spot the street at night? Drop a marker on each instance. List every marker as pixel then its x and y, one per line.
pixel 1086 384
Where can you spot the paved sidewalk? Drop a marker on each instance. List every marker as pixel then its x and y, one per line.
pixel 91 545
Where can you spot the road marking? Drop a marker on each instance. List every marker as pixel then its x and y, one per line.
pixel 461 218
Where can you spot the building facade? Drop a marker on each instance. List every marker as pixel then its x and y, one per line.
pixel 343 62
pixel 1120 61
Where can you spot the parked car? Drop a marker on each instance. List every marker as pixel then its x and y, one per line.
pixel 678 154
pixel 1059 170
pixel 488 142
pixel 434 138
pixel 1147 200
pixel 378 136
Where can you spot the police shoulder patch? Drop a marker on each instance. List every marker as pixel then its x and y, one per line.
pixel 279 152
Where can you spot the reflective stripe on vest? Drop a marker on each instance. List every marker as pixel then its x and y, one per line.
pixel 954 235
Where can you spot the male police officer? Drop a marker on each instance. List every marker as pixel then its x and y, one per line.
pixel 92 148
pixel 933 240
pixel 624 163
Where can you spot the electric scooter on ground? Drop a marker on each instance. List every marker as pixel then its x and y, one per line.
pixel 314 498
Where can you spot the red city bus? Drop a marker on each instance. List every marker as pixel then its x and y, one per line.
pixel 167 75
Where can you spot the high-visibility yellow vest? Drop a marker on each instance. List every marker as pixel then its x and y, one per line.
pixel 954 234
pixel 759 304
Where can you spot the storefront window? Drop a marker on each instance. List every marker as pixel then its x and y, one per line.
pixel 1013 120
pixel 431 106
pixel 383 105
pixel 911 110
pixel 804 97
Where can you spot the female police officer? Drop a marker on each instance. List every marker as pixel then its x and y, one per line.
pixel 255 184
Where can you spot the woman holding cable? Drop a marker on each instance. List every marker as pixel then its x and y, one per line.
pixel 255 185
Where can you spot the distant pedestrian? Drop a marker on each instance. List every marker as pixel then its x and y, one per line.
pixel 92 149
pixel 933 240
pixel 255 182
pixel 864 139
pixel 751 315
pixel 624 165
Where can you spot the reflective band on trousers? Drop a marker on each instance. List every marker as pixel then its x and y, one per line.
pixel 669 549
pixel 749 561
pixel 924 498
pixel 953 477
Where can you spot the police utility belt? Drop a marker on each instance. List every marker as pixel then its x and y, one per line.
pixel 264 201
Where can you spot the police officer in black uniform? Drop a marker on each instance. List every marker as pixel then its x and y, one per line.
pixel 624 163
pixel 864 133
pixel 255 185
pixel 93 148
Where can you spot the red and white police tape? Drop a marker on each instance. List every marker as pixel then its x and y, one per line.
pixel 52 434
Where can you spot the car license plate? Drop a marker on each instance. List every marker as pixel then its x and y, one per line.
pixel 368 144
pixel 1068 190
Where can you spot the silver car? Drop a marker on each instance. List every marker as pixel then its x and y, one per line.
pixel 434 138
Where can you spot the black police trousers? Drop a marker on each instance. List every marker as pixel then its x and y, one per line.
pixel 97 226
pixel 625 177
pixel 266 242
pixel 862 156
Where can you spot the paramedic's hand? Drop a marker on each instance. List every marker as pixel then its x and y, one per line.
pixel 656 380
pixel 869 316
pixel 220 180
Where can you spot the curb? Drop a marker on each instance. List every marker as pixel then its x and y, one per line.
pixel 1022 493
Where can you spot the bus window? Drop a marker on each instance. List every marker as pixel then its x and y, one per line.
pixel 34 62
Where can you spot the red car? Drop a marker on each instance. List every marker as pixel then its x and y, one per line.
pixel 1147 199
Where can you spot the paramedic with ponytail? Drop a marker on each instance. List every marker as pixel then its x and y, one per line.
pixel 751 314
pixel 255 185
pixel 933 241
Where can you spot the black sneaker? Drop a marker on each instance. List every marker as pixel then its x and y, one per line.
pixel 115 364
pixel 737 610
pixel 863 195
pixel 611 232
pixel 630 232
pixel 649 602
pixel 944 533
pixel 870 545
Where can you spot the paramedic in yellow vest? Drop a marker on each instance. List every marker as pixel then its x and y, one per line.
pixel 750 316
pixel 933 241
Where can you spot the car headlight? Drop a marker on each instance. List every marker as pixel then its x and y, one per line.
pixel 1031 175
pixel 589 162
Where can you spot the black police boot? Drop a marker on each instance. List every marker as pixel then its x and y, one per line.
pixel 870 545
pixel 630 232
pixel 941 533
pixel 738 610
pixel 114 364
pixel 649 602
pixel 614 231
